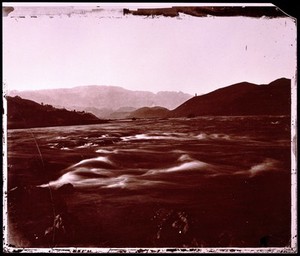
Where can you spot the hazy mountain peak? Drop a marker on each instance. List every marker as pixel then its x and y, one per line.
pixel 103 97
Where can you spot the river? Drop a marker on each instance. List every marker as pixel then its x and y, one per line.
pixel 197 182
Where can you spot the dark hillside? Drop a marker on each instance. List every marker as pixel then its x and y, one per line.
pixel 240 99
pixel 23 113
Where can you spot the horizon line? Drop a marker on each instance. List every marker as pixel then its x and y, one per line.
pixel 139 90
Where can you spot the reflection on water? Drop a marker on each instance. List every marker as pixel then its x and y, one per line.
pixel 210 181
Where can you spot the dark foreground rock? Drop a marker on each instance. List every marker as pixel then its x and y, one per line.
pixel 44 206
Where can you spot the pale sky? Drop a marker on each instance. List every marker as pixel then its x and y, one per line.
pixel 190 54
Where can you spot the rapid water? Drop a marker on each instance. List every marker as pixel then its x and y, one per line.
pixel 207 181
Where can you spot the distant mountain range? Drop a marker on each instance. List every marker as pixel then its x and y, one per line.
pixel 240 99
pixel 23 113
pixel 235 100
pixel 104 101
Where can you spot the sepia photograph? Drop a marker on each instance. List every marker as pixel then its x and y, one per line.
pixel 149 127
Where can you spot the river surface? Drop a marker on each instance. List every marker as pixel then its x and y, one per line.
pixel 198 182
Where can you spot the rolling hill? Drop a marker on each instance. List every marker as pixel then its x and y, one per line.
pixel 23 113
pixel 240 99
pixel 146 112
